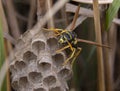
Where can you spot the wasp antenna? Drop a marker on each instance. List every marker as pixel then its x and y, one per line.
pixel 93 43
pixel 75 17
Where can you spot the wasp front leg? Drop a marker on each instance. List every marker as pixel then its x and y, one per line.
pixel 71 56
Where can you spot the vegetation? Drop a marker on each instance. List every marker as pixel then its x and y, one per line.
pixel 22 37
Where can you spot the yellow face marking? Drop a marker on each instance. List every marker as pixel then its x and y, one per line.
pixel 61 40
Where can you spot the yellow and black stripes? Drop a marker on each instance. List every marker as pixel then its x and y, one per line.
pixel 69 40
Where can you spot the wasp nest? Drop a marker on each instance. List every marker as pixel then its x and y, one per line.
pixel 36 65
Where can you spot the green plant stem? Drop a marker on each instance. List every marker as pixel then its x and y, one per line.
pixel 2 56
pixel 101 79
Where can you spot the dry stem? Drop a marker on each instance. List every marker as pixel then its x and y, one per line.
pixel 31 13
pixel 51 21
pixel 12 19
pixel 101 79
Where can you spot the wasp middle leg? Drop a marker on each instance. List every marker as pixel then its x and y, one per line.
pixel 76 55
pixel 62 49
pixel 71 56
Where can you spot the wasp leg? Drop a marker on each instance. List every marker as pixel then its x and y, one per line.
pixel 57 33
pixel 71 56
pixel 63 31
pixel 62 49
pixel 76 55
pixel 69 44
pixel 54 29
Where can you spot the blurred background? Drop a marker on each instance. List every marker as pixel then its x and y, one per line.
pixel 18 16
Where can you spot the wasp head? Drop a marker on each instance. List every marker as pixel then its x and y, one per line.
pixel 62 39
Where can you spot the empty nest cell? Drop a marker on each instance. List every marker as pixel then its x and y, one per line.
pixel 23 82
pixel 35 77
pixel 15 85
pixel 50 80
pixel 29 56
pixel 13 69
pixel 65 73
pixel 44 66
pixel 52 43
pixel 37 46
pixel 58 59
pixel 19 65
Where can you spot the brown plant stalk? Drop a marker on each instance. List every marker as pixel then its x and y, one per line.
pixel 12 19
pixel 51 21
pixel 107 52
pixel 101 79
pixel 31 14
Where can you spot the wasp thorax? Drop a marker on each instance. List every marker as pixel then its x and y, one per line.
pixel 67 36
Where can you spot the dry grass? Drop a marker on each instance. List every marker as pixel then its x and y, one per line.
pixel 101 79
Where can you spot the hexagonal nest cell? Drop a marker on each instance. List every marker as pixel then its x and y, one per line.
pixel 37 46
pixel 36 67
pixel 15 85
pixel 19 65
pixel 35 77
pixel 65 73
pixel 58 59
pixel 29 56
pixel 44 66
pixel 50 80
pixel 52 43
pixel 23 82
pixel 13 70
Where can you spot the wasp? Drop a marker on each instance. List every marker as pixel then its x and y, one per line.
pixel 68 39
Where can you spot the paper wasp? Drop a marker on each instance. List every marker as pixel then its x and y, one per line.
pixel 69 39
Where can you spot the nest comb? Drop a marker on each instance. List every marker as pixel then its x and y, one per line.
pixel 36 66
